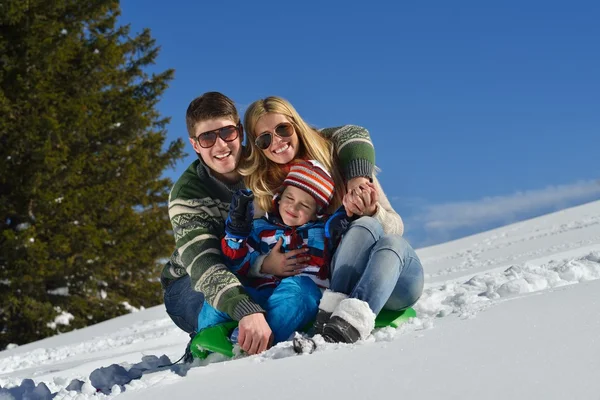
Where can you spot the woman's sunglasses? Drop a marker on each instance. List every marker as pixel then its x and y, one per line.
pixel 228 133
pixel 263 141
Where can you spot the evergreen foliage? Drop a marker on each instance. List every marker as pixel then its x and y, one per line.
pixel 83 204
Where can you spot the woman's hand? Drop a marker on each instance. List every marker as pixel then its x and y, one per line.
pixel 284 264
pixel 356 182
pixel 361 198
pixel 352 205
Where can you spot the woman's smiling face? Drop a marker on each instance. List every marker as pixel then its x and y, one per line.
pixel 282 149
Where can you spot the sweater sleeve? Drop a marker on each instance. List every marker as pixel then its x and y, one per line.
pixel 197 225
pixel 354 149
pixel 386 215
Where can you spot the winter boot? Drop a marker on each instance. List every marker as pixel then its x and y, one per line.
pixel 188 357
pixel 328 303
pixel 351 321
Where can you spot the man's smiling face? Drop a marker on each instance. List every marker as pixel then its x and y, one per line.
pixel 222 157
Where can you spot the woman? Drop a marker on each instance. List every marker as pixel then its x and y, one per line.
pixel 373 267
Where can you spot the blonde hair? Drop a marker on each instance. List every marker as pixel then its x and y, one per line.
pixel 263 176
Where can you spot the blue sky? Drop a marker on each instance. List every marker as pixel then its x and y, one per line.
pixel 482 113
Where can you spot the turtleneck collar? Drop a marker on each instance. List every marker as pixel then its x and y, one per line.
pixel 204 172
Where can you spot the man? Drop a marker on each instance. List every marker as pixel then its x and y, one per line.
pixel 198 207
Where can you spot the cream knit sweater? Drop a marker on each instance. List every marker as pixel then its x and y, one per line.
pixel 386 215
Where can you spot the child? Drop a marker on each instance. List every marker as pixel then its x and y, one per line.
pixel 297 219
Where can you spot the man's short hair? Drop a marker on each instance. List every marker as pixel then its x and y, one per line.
pixel 210 105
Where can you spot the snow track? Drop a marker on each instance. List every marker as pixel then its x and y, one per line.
pixel 485 289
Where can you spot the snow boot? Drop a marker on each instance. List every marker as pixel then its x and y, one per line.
pixel 328 303
pixel 188 357
pixel 351 321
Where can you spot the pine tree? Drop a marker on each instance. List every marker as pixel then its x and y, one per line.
pixel 83 203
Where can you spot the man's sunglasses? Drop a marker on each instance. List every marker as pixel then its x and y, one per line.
pixel 228 133
pixel 263 141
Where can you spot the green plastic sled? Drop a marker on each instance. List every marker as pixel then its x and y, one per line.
pixel 394 318
pixel 216 338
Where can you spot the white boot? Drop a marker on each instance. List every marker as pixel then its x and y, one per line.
pixel 328 303
pixel 352 320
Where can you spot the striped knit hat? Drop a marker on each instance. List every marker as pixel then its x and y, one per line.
pixel 312 177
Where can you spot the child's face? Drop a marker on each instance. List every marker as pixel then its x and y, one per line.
pixel 297 207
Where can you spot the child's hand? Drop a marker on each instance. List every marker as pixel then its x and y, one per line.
pixel 284 264
pixel 336 226
pixel 241 212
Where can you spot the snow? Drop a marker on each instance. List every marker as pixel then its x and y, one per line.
pixel 61 319
pixel 61 291
pixel 23 226
pixel 125 304
pixel 509 313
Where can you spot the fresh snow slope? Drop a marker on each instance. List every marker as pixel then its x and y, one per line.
pixel 509 313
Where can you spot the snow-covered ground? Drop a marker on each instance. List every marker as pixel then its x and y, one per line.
pixel 509 313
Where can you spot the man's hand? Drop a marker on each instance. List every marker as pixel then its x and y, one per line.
pixel 255 335
pixel 361 197
pixel 284 264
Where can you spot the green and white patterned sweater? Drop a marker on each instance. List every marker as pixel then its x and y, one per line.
pixel 198 208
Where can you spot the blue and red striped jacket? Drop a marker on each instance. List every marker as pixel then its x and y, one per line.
pixel 242 255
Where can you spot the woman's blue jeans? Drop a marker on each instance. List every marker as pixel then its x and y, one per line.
pixel 375 267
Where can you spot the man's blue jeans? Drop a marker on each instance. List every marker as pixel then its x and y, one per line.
pixel 375 267
pixel 289 307
pixel 183 304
